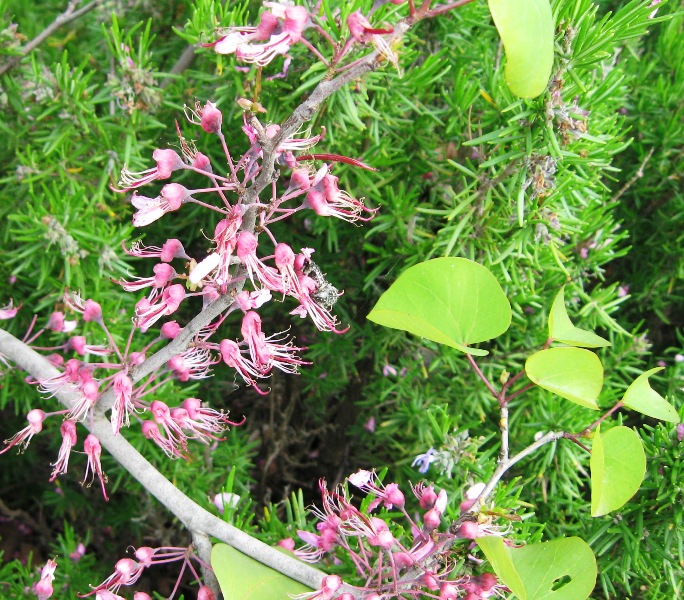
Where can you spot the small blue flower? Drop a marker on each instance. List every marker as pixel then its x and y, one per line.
pixel 424 460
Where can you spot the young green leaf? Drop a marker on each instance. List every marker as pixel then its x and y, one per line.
pixel 451 301
pixel 618 465
pixel 642 398
pixel 573 373
pixel 561 328
pixel 563 569
pixel 526 30
pixel 243 578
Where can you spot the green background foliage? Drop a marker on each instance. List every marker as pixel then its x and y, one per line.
pixel 579 187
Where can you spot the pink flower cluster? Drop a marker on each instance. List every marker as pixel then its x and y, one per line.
pixel 387 565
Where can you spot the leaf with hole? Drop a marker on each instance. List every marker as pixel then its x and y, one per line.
pixel 451 301
pixel 563 569
pixel 573 373
pixel 243 578
pixel 644 399
pixel 526 29
pixel 618 465
pixel 562 330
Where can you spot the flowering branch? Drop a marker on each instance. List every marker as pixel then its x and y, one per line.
pixel 195 518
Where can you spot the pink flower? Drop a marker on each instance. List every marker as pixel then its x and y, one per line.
pixel 35 418
pixel 265 352
pixel 148 313
pixel 294 20
pixel 123 405
pixel 246 252
pixel 93 450
pixel 208 116
pixel 8 312
pixel 171 198
pixel 232 356
pixel 57 323
pixel 69 438
pixel 151 431
pixel 167 160
pixel 368 481
pixel 43 589
pixel 171 249
pixel 163 275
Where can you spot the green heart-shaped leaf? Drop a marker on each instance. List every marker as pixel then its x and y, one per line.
pixel 618 465
pixel 451 301
pixel 243 578
pixel 573 373
pixel 561 328
pixel 526 28
pixel 562 569
pixel 644 399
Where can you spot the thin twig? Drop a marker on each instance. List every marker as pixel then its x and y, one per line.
pixel 70 14
pixel 638 175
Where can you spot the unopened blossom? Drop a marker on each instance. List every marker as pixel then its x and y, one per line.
pixel 167 161
pixel 69 439
pixel 250 300
pixel 205 593
pixel 79 553
pixel 22 438
pixel 226 499
pixel 93 451
pixel 43 589
pixel 208 116
pixel 170 330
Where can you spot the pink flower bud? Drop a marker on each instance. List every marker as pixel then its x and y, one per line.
pixel 432 519
pixel 174 194
pixel 78 344
pixel 168 161
pixel 204 593
pixel 288 544
pixel 171 249
pixel 92 311
pixel 202 162
pixel 448 591
pixel 211 118
pixel 468 530
pixel 170 330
